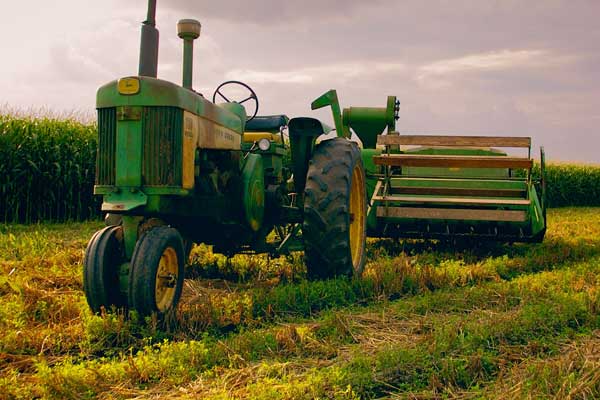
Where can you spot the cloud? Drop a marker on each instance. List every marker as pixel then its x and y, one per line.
pixel 461 66
pixel 486 61
pixel 266 12
pixel 333 73
pixel 269 76
pixel 442 73
pixel 69 65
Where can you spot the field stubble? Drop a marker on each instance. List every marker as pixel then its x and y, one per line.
pixel 425 321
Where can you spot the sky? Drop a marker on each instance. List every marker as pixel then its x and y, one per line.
pixel 459 67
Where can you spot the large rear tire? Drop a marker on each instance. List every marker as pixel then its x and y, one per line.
pixel 103 257
pixel 335 209
pixel 157 271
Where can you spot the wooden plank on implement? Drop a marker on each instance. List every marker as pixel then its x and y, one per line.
pixel 419 160
pixel 452 214
pixel 458 141
pixel 454 200
pixel 449 191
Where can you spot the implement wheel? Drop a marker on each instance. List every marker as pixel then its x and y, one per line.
pixel 335 211
pixel 156 275
pixel 103 256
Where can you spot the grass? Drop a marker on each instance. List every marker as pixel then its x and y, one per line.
pixel 425 321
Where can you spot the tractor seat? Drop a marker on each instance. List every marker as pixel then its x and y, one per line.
pixel 267 123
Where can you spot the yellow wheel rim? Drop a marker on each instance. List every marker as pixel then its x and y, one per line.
pixel 357 216
pixel 166 279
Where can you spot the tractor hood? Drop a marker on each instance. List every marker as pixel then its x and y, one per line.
pixel 145 91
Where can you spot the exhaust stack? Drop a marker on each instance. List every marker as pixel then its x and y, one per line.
pixel 188 30
pixel 149 44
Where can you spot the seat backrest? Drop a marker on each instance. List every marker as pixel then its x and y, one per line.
pixel 267 123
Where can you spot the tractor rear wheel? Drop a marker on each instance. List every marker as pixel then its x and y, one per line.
pixel 157 271
pixel 103 257
pixel 335 209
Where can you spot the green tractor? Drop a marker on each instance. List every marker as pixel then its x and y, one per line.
pixel 174 168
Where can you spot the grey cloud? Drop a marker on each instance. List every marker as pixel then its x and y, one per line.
pixel 67 65
pixel 292 51
pixel 268 12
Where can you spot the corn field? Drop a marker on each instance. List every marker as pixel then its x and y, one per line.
pixel 573 185
pixel 47 168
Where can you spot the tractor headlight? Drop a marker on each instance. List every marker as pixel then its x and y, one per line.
pixel 264 144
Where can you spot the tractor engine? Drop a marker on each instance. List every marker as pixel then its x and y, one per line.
pixel 217 173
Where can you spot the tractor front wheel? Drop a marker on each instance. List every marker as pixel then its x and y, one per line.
pixel 335 209
pixel 103 257
pixel 157 271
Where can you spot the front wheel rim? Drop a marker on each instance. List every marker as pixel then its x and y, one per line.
pixel 166 279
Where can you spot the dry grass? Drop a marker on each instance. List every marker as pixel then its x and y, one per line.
pixel 572 374
pixel 424 322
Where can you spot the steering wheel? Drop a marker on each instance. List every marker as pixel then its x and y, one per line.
pixel 252 96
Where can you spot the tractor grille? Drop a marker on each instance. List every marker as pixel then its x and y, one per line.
pixel 163 146
pixel 107 138
pixel 162 142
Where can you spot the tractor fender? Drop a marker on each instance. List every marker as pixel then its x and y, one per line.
pixel 253 191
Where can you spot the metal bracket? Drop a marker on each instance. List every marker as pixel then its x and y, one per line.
pixel 286 238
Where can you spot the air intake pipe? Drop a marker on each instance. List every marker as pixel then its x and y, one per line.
pixel 188 30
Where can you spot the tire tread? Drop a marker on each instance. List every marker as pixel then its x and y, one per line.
pixel 326 221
